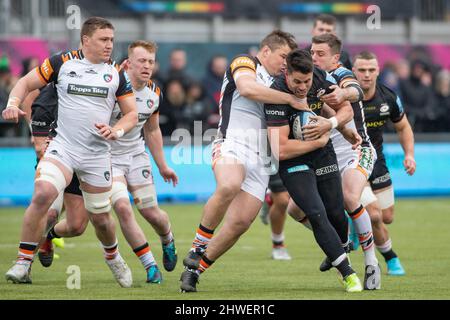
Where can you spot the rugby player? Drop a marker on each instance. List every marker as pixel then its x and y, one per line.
pixel 238 160
pixel 132 169
pixel 88 85
pixel 355 166
pixel 309 169
pixel 380 105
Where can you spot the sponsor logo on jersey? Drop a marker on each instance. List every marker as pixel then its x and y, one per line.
pixel 327 170
pixel 143 117
pixel 315 106
pixel 145 173
pixel 242 62
pixel 107 175
pixel 375 124
pixel 107 77
pixel 38 123
pixel 91 91
pixel 275 112
pixel 91 71
pixel 46 69
pixel 73 74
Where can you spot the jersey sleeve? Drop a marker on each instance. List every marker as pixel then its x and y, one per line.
pixel 48 71
pixel 242 63
pixel 124 90
pixel 160 98
pixel 397 112
pixel 277 115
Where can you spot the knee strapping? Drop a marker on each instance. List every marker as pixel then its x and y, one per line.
pixel 119 191
pixel 48 171
pixel 386 198
pixel 97 202
pixel 145 197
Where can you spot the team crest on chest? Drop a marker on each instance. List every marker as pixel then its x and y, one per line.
pixel 107 77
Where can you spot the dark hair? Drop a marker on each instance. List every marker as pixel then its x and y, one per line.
pixel 332 40
pixel 92 24
pixel 325 18
pixel 299 60
pixel 277 39
pixel 365 55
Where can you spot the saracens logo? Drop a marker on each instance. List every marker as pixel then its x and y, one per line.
pixel 107 175
pixel 146 173
pixel 107 77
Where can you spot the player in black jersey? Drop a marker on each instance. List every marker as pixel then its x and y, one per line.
pixel 380 105
pixel 44 110
pixel 309 169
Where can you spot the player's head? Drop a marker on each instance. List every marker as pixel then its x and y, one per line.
pixel 97 36
pixel 299 74
pixel 366 70
pixel 141 60
pixel 323 23
pixel 274 49
pixel 326 51
pixel 177 59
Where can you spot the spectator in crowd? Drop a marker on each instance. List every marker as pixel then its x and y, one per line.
pixel 29 64
pixel 197 108
pixel 212 84
pixel 173 104
pixel 441 103
pixel 417 95
pixel 177 68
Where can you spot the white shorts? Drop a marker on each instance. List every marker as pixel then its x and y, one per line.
pixel 136 169
pixel 93 169
pixel 257 167
pixel 362 159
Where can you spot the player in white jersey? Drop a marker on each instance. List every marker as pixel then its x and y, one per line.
pixel 88 85
pixel 355 166
pixel 132 169
pixel 238 161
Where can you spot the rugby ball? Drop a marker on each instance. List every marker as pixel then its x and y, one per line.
pixel 301 119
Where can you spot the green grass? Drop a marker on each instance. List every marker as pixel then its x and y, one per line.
pixel 420 236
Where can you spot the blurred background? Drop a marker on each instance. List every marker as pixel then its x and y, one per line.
pixel 196 41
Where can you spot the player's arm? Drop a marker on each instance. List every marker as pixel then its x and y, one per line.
pixel 284 148
pixel 27 103
pixel 28 83
pixel 343 114
pixel 154 140
pixel 243 70
pixel 346 89
pixel 406 137
pixel 127 105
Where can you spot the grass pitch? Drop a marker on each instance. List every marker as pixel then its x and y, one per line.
pixel 420 235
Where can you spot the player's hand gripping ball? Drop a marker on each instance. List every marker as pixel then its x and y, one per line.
pixel 301 119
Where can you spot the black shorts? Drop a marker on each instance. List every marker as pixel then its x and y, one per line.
pixel 74 186
pixel 276 184
pixel 380 177
pixel 41 120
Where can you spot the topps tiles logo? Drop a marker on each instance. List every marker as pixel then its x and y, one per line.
pixel 90 91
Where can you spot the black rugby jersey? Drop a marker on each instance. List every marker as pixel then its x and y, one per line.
pixel 278 115
pixel 384 105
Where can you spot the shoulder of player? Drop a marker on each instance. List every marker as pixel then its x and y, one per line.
pixel 387 92
pixel 69 55
pixel 320 75
pixel 243 61
pixel 154 88
pixel 342 72
pixel 279 83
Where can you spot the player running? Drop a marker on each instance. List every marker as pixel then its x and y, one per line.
pixel 380 105
pixel 131 165
pixel 309 169
pixel 88 85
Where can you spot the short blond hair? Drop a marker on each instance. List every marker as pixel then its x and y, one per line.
pixel 150 46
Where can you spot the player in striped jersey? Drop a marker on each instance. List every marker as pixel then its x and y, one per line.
pixel 88 85
pixel 132 169
pixel 239 158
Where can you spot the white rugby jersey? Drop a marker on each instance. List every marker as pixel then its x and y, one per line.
pixel 242 119
pixel 148 100
pixel 87 94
